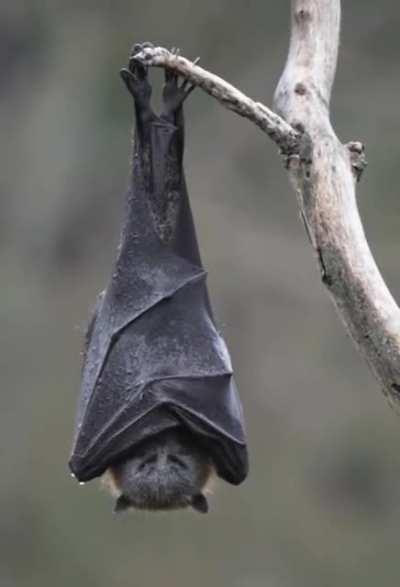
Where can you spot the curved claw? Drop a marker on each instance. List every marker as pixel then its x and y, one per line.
pixel 189 90
pixel 170 77
pixel 174 95
pixel 137 47
pixel 139 70
pixel 135 78
pixel 185 84
pixel 127 74
pixel 136 66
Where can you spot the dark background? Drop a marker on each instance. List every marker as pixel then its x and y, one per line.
pixel 322 503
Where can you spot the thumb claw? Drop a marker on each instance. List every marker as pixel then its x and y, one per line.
pixel 199 503
pixel 189 90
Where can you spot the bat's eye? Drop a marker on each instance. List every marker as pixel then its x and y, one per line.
pixel 173 459
pixel 150 460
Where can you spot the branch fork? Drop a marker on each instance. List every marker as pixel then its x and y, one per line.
pixel 323 172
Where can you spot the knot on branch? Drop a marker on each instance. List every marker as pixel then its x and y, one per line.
pixel 358 159
pixel 303 15
pixel 298 154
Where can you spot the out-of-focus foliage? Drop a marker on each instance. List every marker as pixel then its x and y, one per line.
pixel 321 506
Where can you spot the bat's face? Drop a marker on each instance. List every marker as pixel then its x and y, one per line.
pixel 167 471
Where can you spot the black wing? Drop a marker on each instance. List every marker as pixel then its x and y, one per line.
pixel 154 356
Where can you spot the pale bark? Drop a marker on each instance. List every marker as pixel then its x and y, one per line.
pixel 323 173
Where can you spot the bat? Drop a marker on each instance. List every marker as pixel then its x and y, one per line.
pixel 158 411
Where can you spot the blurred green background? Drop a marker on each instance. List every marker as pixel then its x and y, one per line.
pixel 321 506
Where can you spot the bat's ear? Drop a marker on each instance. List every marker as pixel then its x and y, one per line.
pixel 200 503
pixel 121 504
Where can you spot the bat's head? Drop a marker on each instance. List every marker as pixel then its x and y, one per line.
pixel 167 471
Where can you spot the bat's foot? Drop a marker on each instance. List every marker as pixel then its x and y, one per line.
pixel 136 79
pixel 174 94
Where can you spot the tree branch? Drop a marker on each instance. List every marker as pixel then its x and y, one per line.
pixel 323 173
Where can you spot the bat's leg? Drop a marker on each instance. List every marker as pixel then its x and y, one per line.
pixel 174 94
pixel 136 80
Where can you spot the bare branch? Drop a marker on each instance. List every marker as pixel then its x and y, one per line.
pixel 323 173
pixel 326 192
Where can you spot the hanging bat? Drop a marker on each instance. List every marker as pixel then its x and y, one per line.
pixel 159 411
